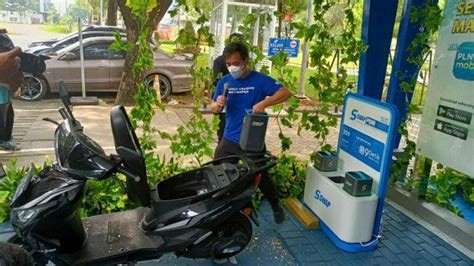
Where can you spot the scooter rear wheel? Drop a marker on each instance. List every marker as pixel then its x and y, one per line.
pixel 227 239
pixel 232 236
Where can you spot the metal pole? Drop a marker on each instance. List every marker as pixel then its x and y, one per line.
pixel 101 15
pixel 304 62
pixel 213 31
pixel 422 87
pixel 223 27
pixel 256 29
pixel 273 23
pixel 81 49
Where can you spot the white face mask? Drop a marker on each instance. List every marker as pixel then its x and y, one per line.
pixel 236 71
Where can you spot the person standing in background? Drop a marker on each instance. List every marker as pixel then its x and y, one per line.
pixel 11 79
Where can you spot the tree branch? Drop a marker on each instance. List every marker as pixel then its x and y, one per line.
pixel 158 13
pixel 126 11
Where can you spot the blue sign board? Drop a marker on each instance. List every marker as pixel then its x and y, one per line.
pixel 289 46
pixel 363 147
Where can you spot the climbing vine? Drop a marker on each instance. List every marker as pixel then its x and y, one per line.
pixel 330 85
pixel 429 18
pixel 146 97
pixel 197 134
pixel 445 183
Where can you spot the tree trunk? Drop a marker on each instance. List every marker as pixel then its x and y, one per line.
pixel 112 13
pixel 128 84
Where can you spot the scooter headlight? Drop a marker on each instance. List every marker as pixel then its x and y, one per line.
pixel 25 216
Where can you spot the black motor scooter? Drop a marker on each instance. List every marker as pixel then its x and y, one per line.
pixel 202 213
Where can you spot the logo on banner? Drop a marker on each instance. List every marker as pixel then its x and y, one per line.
pixel 368 153
pixel 293 44
pixel 367 120
pixel 363 147
pixel 463 67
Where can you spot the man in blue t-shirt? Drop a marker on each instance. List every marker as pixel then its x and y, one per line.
pixel 247 89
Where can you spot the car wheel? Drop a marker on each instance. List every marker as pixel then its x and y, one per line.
pixel 33 88
pixel 165 85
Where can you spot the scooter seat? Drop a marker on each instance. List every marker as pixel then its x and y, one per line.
pixel 200 182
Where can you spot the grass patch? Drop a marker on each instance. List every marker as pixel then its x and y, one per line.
pixel 167 47
pixel 54 28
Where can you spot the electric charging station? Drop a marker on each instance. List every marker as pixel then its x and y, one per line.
pixel 365 144
pixel 368 132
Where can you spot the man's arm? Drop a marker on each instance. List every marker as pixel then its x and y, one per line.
pixel 10 73
pixel 280 96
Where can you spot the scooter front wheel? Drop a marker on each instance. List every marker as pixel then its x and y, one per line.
pixel 23 254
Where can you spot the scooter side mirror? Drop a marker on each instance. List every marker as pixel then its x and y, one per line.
pixel 138 190
pixel 66 99
pixel 2 171
pixel 64 94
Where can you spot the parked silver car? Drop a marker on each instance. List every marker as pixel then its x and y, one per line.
pixel 103 71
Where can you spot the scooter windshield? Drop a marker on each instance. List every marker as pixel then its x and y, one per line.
pixel 78 154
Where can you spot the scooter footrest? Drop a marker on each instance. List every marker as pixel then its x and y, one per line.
pixel 113 238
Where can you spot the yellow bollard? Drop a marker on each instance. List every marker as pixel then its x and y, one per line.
pixel 302 213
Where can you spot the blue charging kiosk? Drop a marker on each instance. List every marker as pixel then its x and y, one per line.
pixel 365 144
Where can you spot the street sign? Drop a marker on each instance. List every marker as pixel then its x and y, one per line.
pixel 289 46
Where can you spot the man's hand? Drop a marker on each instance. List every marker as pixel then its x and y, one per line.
pixel 220 101
pixel 10 73
pixel 259 108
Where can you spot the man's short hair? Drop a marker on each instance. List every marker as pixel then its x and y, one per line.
pixel 237 47
pixel 236 35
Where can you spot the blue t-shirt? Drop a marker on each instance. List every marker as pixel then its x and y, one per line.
pixel 243 94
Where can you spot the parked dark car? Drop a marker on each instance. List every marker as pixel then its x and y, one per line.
pixel 103 71
pixel 84 29
pixel 65 42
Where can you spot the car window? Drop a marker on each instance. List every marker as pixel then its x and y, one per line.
pixel 95 51
pixel 66 43
pixel 114 55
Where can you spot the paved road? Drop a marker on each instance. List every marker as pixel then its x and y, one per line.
pixel 23 34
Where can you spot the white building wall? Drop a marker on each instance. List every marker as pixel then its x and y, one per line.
pixel 21 17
